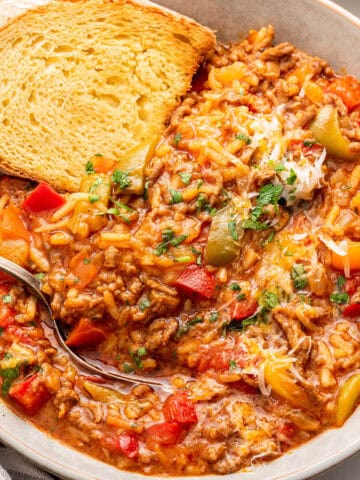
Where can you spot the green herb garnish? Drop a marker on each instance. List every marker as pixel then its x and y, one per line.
pixel 185 177
pixel 7 299
pixel 177 139
pixel 89 168
pixel 292 177
pixel 298 276
pixel 244 138
pixel 176 196
pixel 144 304
pixel 121 179
pixel 340 298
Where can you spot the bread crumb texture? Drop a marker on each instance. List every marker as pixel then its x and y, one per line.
pixel 90 76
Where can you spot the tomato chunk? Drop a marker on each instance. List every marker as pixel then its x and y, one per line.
pixel 126 443
pixel 43 198
pixel 167 433
pixel 217 357
pixel 352 310
pixel 7 316
pixel 30 394
pixel 180 409
pixel 244 309
pixel 198 280
pixel 12 225
pixel 348 89
pixel 85 334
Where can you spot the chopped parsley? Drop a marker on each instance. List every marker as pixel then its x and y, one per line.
pixel 89 168
pixel 240 297
pixel 232 365
pixel 177 139
pixel 235 287
pixel 176 196
pixel 146 189
pixel 141 352
pixel 40 276
pixel 7 299
pixel 168 238
pixel 136 358
pixel 233 230
pixel 269 300
pixel 95 185
pixel 260 316
pixel 184 329
pixel 98 155
pixel 185 177
pixel 244 138
pixel 144 304
pixel 279 168
pixel 309 143
pixel 268 195
pixel 340 281
pixel 8 375
pixel 198 255
pixel 1 331
pixel 292 177
pixel 213 316
pixel 340 298
pixel 298 276
pixel 127 368
pixel 93 197
pixel 121 179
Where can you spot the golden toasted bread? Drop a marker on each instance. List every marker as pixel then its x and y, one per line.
pixel 87 77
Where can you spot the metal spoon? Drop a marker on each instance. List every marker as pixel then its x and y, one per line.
pixel 92 365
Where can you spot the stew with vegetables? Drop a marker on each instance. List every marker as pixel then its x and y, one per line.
pixel 224 256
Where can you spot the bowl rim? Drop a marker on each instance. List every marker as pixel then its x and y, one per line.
pixel 53 466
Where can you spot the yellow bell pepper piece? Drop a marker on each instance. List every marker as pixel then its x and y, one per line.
pixel 348 396
pixel 103 394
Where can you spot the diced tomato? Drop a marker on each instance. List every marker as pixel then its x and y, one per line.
pixel 12 225
pixel 7 316
pixel 103 164
pixel 126 443
pixel 348 89
pixel 351 285
pixel 167 433
pixel 85 334
pixel 287 429
pixel 180 409
pixel 197 279
pixel 217 357
pixel 352 310
pixel 30 394
pixel 243 309
pixel 84 269
pixel 43 198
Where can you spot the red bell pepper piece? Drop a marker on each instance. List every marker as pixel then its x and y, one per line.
pixel 43 198
pixel 85 334
pixel 348 89
pixel 196 279
pixel 243 309
pixel 126 443
pixel 351 285
pixel 179 408
pixel 30 394
pixel 352 310
pixel 167 433
pixel 7 316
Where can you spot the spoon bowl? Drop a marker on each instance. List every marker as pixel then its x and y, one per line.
pixel 91 365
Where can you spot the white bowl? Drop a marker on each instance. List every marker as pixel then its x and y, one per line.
pixel 321 28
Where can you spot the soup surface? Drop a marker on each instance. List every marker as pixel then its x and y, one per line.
pixel 222 256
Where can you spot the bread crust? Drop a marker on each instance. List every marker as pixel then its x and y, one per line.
pixel 162 51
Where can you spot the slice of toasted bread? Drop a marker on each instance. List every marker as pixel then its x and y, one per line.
pixel 85 77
